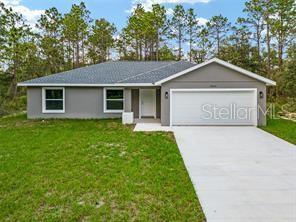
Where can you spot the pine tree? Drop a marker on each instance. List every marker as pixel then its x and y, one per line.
pixel 15 37
pixel 159 19
pixel 75 31
pixel 192 27
pixel 101 40
pixel 51 41
pixel 255 19
pixel 218 28
pixel 177 27
pixel 283 24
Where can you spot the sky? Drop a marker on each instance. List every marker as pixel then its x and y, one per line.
pixel 117 11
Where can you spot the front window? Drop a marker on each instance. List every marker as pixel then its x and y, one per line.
pixel 53 100
pixel 114 100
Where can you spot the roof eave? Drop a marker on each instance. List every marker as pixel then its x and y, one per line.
pixel 271 84
pixel 84 84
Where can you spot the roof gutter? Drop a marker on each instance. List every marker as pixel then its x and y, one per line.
pixel 85 84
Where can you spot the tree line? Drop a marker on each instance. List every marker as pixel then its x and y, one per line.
pixel 262 41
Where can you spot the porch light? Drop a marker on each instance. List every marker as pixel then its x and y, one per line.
pixel 166 95
pixel 261 94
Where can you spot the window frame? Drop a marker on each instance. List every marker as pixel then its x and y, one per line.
pixel 44 110
pixel 105 101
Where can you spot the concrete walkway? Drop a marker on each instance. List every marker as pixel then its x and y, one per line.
pixel 240 173
pixel 151 127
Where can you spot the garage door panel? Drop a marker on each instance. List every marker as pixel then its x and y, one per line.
pixel 214 107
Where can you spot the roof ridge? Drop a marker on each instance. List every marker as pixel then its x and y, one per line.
pixel 143 73
pixel 148 61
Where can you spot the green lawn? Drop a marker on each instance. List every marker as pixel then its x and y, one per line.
pixel 285 129
pixel 85 170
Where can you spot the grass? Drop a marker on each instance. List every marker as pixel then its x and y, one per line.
pixel 285 129
pixel 86 170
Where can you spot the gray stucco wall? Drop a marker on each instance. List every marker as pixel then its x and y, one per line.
pixel 127 100
pixel 135 102
pixel 211 76
pixel 84 103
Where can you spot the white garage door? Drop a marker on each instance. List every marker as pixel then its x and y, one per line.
pixel 213 107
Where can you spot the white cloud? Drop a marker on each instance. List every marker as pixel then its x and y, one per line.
pixel 170 11
pixel 147 4
pixel 11 2
pixel 30 15
pixel 116 36
pixel 202 21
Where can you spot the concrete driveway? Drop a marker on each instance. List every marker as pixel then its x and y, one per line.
pixel 240 173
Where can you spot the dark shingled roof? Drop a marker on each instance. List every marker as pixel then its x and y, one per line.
pixel 116 72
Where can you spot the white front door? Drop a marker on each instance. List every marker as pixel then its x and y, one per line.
pixel 147 103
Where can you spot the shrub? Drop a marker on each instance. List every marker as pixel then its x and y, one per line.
pixel 13 106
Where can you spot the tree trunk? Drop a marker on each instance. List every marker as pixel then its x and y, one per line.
pixel 107 54
pixel 68 52
pixel 180 44
pixel 157 45
pixel 61 61
pixel 73 55
pixel 152 52
pixel 77 53
pixel 268 49
pixel 280 54
pixel 147 51
pixel 141 51
pixel 190 45
pixel 218 45
pixel 258 42
pixel 82 49
pixel 137 50
pixel 12 88
pixel 280 42
pixel 102 54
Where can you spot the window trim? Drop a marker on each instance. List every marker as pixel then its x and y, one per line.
pixel 105 101
pixel 44 110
